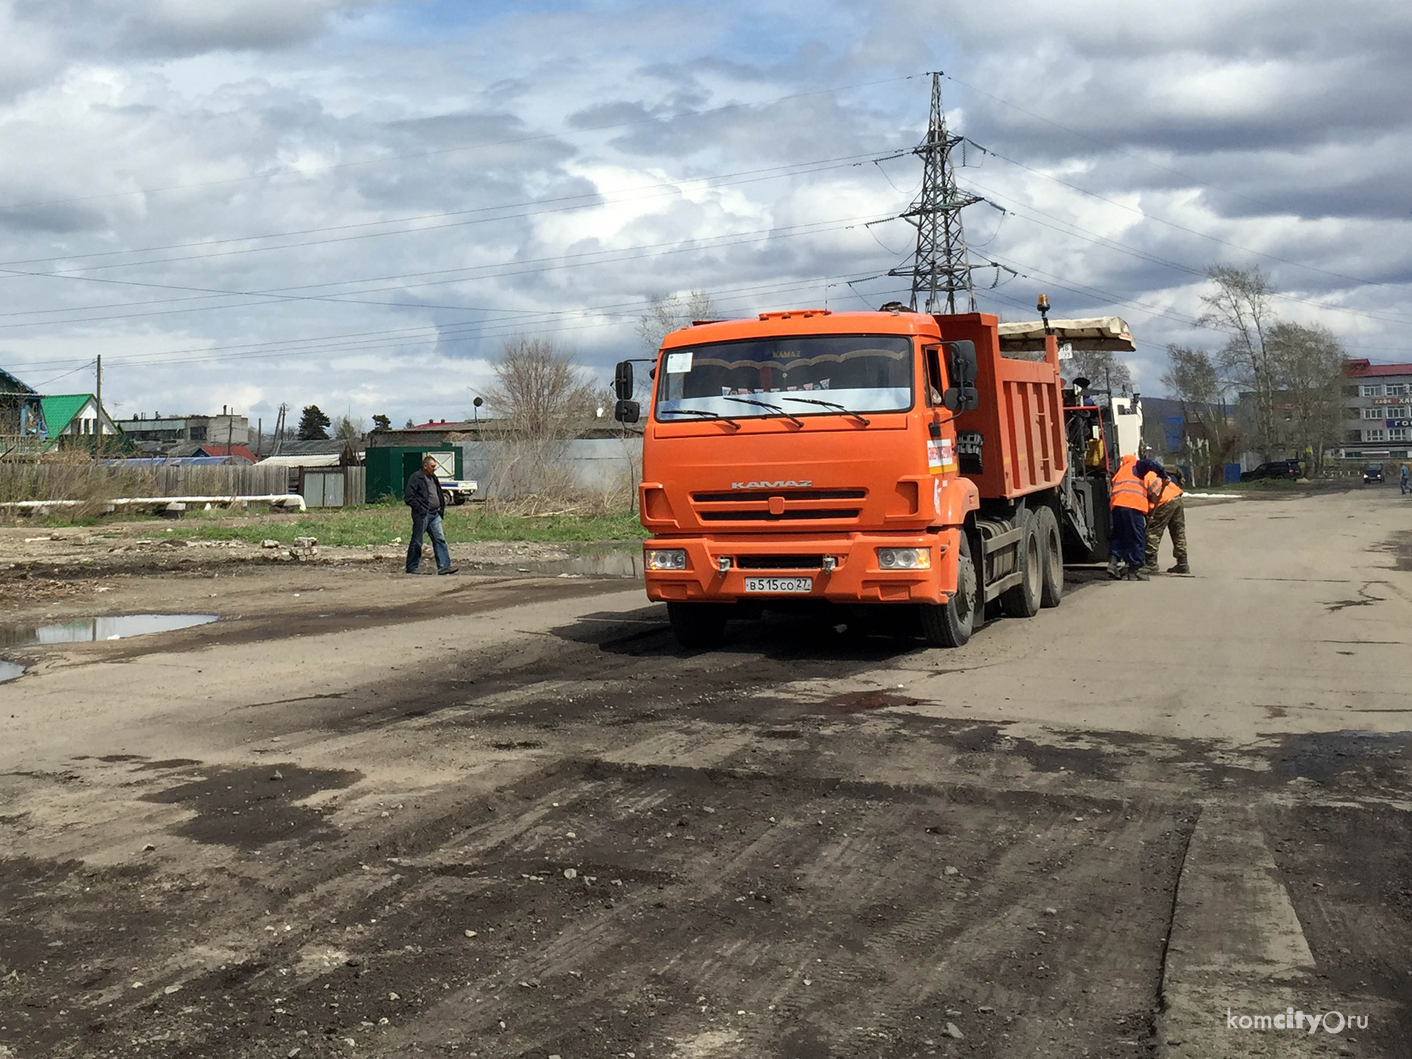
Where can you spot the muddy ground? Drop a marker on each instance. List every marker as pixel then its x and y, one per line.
pixel 503 815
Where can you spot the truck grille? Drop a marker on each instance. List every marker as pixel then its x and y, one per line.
pixel 799 505
pixel 739 495
pixel 796 515
pixel 779 562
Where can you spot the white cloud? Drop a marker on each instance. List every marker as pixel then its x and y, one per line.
pixel 1254 128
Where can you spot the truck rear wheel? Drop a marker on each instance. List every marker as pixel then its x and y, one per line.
pixel 1022 601
pixel 950 624
pixel 1051 551
pixel 698 625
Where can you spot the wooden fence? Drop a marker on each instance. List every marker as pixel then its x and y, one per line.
pixel 96 481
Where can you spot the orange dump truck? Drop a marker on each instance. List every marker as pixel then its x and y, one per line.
pixel 898 464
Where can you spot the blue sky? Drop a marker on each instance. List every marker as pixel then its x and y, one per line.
pixel 362 201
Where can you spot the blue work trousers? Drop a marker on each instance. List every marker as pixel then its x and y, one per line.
pixel 429 524
pixel 1128 541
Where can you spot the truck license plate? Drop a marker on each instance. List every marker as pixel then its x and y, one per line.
pixel 800 585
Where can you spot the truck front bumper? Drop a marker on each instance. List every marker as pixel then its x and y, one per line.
pixel 842 568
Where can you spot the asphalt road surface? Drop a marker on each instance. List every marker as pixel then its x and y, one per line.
pixel 369 815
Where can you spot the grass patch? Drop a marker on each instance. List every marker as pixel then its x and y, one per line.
pixel 355 527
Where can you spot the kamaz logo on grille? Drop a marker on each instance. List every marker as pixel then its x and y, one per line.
pixel 791 484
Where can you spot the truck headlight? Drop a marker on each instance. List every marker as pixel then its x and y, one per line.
pixel 666 558
pixel 905 558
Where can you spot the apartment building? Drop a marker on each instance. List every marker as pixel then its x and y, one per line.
pixel 1378 410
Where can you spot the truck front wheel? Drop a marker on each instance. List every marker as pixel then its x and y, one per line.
pixel 950 624
pixel 698 625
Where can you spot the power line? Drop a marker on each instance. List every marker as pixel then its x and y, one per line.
pixel 1180 227
pixel 437 333
pixel 264 297
pixel 1072 230
pixel 595 199
pixel 384 159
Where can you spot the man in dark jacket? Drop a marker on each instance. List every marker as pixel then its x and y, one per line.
pixel 428 503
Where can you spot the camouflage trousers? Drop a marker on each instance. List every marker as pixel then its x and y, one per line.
pixel 1167 518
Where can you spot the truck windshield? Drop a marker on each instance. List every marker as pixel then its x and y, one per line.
pixel 846 373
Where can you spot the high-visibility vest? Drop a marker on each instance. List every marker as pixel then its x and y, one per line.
pixel 1152 482
pixel 1128 490
pixel 1170 491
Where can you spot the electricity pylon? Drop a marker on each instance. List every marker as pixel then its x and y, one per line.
pixel 941 265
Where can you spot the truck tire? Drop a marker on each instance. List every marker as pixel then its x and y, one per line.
pixel 698 625
pixel 1051 557
pixel 1022 601
pixel 950 624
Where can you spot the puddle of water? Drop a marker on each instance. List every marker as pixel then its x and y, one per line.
pixel 9 670
pixel 119 627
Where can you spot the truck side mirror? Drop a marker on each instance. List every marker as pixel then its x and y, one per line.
pixel 962 394
pixel 963 363
pixel 622 383
pixel 627 411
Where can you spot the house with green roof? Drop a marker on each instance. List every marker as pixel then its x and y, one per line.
pixel 72 419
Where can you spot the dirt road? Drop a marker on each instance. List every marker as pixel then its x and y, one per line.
pixel 364 814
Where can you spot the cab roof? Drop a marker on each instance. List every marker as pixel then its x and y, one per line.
pixel 804 322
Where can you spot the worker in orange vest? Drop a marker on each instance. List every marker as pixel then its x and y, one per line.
pixel 1128 506
pixel 1166 516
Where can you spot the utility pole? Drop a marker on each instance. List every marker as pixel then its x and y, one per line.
pixel 279 427
pixel 98 422
pixel 940 265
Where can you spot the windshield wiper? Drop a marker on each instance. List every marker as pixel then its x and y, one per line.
pixel 772 407
pixel 697 412
pixel 830 404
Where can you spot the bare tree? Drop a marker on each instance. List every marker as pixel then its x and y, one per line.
pixel 1103 370
pixel 1194 379
pixel 667 314
pixel 539 393
pixel 1240 306
pixel 1307 363
pixel 543 401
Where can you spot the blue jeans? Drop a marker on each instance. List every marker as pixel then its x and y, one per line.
pixel 430 524
pixel 1128 541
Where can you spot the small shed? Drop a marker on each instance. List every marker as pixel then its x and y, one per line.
pixel 323 479
pixel 393 456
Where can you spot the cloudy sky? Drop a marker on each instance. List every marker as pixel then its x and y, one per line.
pixel 356 202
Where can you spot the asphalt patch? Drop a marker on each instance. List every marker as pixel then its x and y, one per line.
pixel 254 806
pixel 859 701
pixel 1326 757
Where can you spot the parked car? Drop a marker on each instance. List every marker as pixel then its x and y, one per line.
pixel 1290 469
pixel 1372 472
pixel 458 492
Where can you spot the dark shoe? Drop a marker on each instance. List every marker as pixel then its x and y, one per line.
pixel 1180 568
pixel 1135 573
pixel 1149 568
pixel 411 571
pixel 448 570
pixel 1115 571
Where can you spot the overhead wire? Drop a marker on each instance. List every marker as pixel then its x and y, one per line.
pixel 615 255
pixel 384 159
pixel 587 200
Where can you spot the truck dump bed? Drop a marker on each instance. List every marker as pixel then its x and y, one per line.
pixel 1019 423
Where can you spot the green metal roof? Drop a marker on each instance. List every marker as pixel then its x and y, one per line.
pixel 60 410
